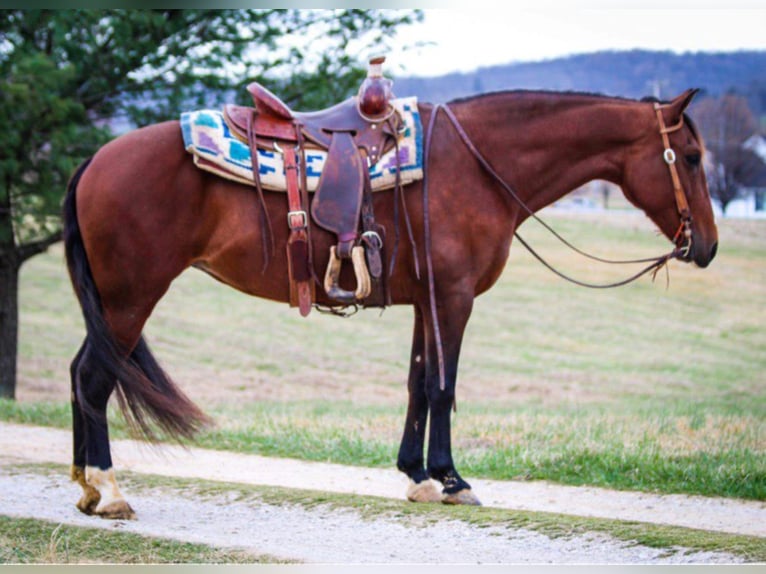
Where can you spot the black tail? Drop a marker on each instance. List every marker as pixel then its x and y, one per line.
pixel 144 391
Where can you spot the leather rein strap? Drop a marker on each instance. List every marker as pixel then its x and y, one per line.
pixel 656 263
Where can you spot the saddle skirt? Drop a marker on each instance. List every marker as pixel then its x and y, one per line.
pixel 215 149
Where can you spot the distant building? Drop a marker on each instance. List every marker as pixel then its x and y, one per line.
pixel 753 202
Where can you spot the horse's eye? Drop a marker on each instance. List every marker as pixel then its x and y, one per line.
pixel 693 159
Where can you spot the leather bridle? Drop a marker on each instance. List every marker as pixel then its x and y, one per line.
pixel 684 233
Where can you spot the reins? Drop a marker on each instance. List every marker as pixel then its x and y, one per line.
pixel 655 263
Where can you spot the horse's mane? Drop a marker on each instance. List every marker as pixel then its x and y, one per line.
pixel 526 92
pixel 573 94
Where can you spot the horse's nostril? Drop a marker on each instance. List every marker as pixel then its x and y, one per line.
pixel 713 251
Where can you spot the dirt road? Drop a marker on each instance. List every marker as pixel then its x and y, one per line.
pixel 324 536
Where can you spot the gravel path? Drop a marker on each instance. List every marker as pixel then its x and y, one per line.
pixel 323 536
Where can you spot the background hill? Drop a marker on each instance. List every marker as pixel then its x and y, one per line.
pixel 632 74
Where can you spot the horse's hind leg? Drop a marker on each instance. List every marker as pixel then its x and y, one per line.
pixel 410 459
pixel 90 497
pixel 92 462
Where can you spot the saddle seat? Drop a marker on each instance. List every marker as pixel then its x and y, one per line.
pixel 274 120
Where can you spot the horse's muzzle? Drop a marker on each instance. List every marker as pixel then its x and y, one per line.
pixel 702 256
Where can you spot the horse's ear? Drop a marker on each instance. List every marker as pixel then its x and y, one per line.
pixel 680 103
pixel 673 110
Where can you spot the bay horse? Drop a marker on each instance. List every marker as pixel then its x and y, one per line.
pixel 139 212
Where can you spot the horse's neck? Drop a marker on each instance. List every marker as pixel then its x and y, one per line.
pixel 546 145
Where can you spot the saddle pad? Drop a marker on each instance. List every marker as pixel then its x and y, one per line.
pixel 209 140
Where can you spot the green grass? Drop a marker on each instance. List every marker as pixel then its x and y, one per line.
pixel 641 387
pixel 677 452
pixel 29 541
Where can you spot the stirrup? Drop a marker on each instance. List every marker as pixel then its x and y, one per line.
pixel 363 283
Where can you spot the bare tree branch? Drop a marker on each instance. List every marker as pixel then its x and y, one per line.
pixel 33 248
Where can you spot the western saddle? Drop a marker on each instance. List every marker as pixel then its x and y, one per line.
pixel 355 134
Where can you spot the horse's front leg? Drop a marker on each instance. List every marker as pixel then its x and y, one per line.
pixel 410 460
pixel 453 315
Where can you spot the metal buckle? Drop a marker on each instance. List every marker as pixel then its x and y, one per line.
pixel 683 237
pixel 279 149
pixel 669 156
pixel 686 247
pixel 373 239
pixel 302 215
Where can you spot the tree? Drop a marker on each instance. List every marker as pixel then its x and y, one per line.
pixel 726 123
pixel 66 75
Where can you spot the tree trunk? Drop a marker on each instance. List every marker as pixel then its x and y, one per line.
pixel 9 291
pixel 9 325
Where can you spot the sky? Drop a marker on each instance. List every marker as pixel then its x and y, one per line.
pixel 464 39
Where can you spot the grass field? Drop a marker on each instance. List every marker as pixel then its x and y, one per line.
pixel 28 541
pixel 643 387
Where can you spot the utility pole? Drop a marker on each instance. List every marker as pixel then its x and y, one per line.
pixel 656 86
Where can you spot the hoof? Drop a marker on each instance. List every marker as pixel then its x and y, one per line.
pixel 90 496
pixel 100 495
pixel 116 510
pixel 88 502
pixel 465 497
pixel 424 491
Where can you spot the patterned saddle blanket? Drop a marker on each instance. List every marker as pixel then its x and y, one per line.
pixel 214 149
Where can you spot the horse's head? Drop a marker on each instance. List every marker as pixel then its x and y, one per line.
pixel 664 175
